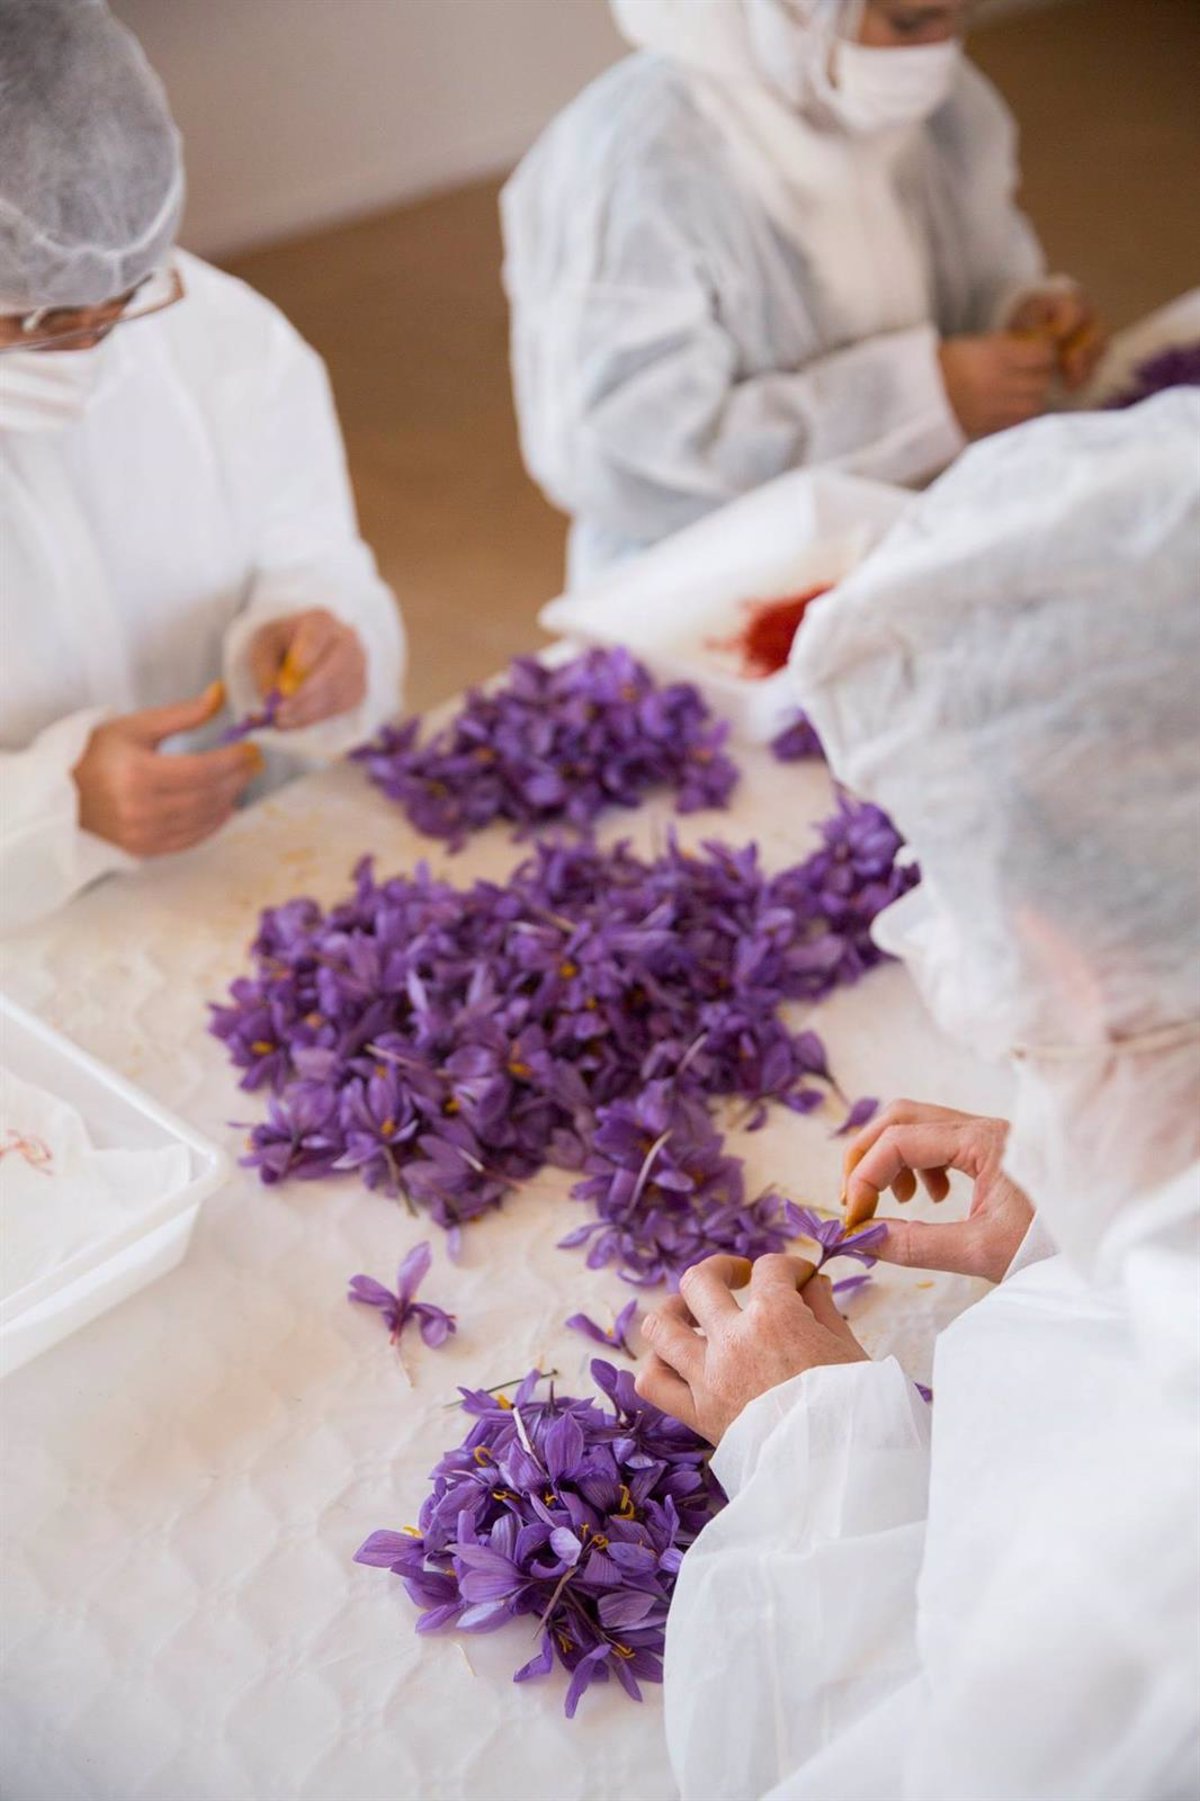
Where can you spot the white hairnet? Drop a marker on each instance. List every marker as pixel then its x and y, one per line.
pixel 91 176
pixel 785 43
pixel 1012 675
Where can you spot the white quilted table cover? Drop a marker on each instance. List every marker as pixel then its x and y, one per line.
pixel 187 1479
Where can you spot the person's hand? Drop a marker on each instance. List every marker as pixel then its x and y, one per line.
pixel 148 802
pixel 910 1140
pixel 1068 320
pixel 998 380
pixel 315 661
pixel 709 1357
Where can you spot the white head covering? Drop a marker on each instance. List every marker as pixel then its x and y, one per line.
pixel 91 175
pixel 759 70
pixel 1012 675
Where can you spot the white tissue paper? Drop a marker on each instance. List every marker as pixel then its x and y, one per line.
pixel 59 1193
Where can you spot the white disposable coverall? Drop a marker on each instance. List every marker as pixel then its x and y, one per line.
pixel 996 1599
pixel 685 327
pixel 202 493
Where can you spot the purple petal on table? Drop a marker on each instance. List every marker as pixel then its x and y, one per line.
pixel 860 1113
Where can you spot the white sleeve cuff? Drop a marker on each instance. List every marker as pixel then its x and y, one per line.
pixel 45 857
pixel 1035 1247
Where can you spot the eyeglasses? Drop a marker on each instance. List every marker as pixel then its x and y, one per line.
pixel 62 328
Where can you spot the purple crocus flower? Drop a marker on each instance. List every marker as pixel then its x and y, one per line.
pixel 566 1512
pixel 838 1240
pixel 260 721
pixel 618 1338
pixel 397 1309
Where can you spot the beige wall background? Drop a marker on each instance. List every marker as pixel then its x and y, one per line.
pixel 297 113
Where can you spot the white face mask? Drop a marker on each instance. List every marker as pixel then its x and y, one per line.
pixel 880 90
pixel 46 390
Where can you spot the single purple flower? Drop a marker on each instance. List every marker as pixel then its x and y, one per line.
pixel 618 1338
pixel 397 1309
pixel 838 1240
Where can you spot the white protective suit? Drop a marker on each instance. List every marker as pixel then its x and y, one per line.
pixel 201 492
pixel 714 279
pixel 995 1599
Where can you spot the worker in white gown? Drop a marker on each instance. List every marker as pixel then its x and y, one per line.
pixel 992 1598
pixel 174 505
pixel 784 234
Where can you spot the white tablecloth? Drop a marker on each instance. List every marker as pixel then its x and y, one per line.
pixel 187 1479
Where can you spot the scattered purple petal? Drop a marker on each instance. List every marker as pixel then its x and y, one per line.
pixel 564 1512
pixel 618 1338
pixel 926 1394
pixel 797 742
pixel 859 1115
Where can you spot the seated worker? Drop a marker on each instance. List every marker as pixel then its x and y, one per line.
pixel 785 235
pixel 996 1595
pixel 174 505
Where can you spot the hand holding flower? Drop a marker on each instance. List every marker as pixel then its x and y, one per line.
pixel 710 1358
pixel 911 1139
pixel 315 661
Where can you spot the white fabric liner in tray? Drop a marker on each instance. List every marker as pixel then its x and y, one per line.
pixel 188 1478
pixel 61 1190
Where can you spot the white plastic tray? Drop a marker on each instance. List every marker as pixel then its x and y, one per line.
pixel 676 605
pixel 116 1113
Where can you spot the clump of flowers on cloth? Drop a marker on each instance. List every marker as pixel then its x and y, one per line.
pixel 555 743
pixel 566 1513
pixel 446 1044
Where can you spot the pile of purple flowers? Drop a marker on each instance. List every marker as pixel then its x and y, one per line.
pixel 1176 367
pixel 666 1194
pixel 565 1513
pixel 555 743
pixel 447 1044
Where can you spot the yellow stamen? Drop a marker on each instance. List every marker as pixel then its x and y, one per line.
pixel 627 1510
pixel 567 970
pixel 624 1651
pixel 262 1047
pixel 482 1455
pixel 388 1127
pixel 451 1104
pixel 413 1531
pixel 520 1070
pixel 503 1401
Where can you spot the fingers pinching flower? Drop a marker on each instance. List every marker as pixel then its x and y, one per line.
pixel 910 1142
pixel 313 662
pixel 711 1357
